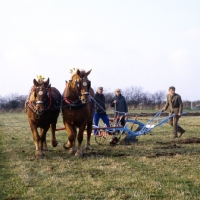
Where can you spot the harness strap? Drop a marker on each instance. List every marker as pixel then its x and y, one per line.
pixel 66 100
pixel 30 105
pixel 50 98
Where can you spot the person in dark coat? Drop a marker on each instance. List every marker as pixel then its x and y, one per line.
pixel 175 105
pixel 100 109
pixel 120 105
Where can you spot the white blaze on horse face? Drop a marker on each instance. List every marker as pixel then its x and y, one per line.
pixel 84 83
pixel 40 93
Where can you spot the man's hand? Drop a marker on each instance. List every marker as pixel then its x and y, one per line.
pixel 179 114
pixel 115 101
pixel 163 110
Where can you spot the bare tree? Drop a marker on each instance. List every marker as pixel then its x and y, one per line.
pixel 13 101
pixel 158 98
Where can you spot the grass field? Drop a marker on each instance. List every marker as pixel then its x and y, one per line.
pixel 157 167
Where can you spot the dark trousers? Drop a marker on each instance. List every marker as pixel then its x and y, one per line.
pixel 174 123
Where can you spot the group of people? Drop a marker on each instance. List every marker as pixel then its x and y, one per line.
pixel 118 102
pixel 173 103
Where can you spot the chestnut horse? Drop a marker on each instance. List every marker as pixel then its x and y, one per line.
pixel 43 108
pixel 78 111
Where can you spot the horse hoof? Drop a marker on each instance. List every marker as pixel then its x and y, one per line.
pixel 72 151
pixel 79 155
pixel 39 154
pixel 87 147
pixel 54 143
pixel 66 145
pixel 39 157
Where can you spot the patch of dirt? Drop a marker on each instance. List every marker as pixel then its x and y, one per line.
pixel 169 147
pixel 182 141
pixel 94 154
pixel 189 141
pixel 121 155
pixel 170 154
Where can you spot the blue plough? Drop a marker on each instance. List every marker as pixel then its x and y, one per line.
pixel 117 131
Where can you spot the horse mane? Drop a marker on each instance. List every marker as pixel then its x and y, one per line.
pixel 31 97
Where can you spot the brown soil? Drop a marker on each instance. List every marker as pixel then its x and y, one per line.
pixel 182 141
pixel 161 154
pixel 173 146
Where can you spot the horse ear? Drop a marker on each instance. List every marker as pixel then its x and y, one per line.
pixel 46 83
pixel 35 82
pixel 88 72
pixel 78 72
pixel 89 85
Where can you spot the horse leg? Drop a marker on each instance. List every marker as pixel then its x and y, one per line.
pixel 79 152
pixel 54 142
pixel 73 149
pixel 71 143
pixel 89 131
pixel 43 142
pixel 36 139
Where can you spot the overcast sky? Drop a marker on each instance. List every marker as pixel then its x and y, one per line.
pixel 151 44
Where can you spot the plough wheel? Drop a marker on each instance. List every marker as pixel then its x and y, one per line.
pixel 101 137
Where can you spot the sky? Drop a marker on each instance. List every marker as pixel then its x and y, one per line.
pixel 152 44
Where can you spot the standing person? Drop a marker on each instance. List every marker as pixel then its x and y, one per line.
pixel 120 104
pixel 100 111
pixel 175 105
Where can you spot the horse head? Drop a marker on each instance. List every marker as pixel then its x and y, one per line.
pixel 81 84
pixel 41 95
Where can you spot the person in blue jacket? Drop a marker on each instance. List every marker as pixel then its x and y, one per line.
pixel 120 105
pixel 100 109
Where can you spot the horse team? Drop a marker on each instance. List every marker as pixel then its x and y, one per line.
pixel 76 103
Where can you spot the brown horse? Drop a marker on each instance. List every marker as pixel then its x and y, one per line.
pixel 78 111
pixel 43 108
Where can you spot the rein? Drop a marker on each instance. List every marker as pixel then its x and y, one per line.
pixel 97 103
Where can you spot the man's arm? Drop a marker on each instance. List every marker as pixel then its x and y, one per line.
pixel 126 107
pixel 180 105
pixel 112 103
pixel 166 105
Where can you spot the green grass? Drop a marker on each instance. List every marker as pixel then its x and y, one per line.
pixel 154 168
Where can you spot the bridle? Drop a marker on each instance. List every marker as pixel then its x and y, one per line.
pixel 75 87
pixel 85 82
pixel 33 104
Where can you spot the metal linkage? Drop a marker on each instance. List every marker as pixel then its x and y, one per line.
pixel 145 128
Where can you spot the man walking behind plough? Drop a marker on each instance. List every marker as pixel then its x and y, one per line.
pixel 175 105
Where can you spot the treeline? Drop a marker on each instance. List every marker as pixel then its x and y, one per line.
pixel 135 98
pixel 13 101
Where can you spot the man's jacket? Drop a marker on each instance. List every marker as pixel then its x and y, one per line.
pixel 174 103
pixel 121 105
pixel 100 105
